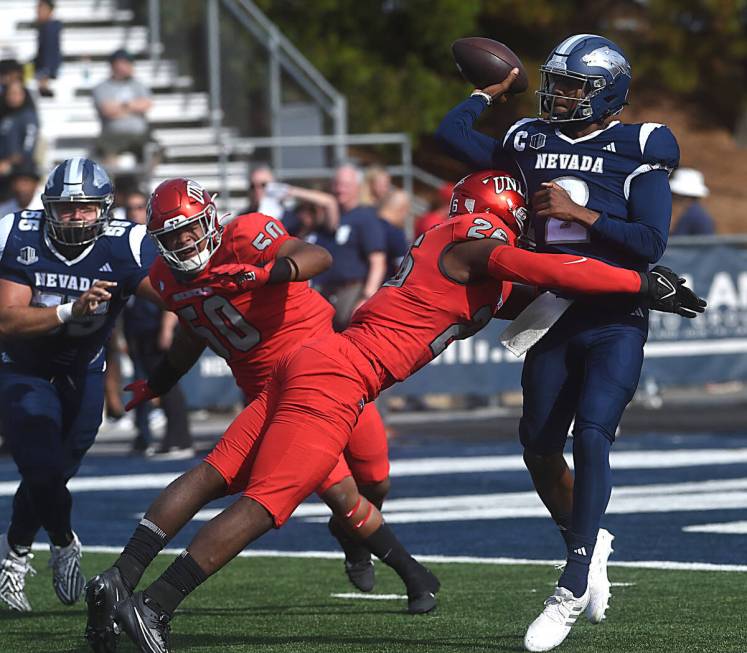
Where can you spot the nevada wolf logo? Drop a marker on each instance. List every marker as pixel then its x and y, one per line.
pixel 27 256
pixel 609 59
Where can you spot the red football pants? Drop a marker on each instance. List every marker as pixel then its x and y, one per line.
pixel 286 443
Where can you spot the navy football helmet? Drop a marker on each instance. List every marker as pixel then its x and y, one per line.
pixel 73 181
pixel 588 62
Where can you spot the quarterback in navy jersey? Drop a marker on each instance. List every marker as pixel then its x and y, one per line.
pixel 598 188
pixel 65 273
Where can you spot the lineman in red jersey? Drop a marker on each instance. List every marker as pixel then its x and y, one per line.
pixel 447 288
pixel 251 326
pixel 251 322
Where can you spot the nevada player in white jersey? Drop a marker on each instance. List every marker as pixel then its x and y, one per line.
pixel 65 273
pixel 599 189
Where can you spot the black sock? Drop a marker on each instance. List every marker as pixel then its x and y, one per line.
pixel 355 550
pixel 385 546
pixel 144 545
pixel 63 538
pixel 183 576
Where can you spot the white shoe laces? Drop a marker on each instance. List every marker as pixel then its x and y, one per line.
pixel 559 607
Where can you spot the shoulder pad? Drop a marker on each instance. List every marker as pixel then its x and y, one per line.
pixel 476 226
pixel 658 145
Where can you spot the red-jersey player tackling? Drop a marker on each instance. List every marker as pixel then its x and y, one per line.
pixel 448 287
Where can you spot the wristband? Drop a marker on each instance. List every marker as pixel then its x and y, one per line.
pixel 65 312
pixel 482 95
pixel 281 271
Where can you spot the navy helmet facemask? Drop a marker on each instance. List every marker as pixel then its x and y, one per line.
pixel 588 62
pixel 73 181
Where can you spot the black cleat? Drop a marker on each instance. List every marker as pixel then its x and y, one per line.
pixel 358 564
pixel 103 592
pixel 361 574
pixel 144 623
pixel 421 591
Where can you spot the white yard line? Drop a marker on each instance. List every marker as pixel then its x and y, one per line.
pixel 334 555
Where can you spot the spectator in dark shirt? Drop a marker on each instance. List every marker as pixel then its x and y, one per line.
pixel 393 213
pixel 149 332
pixel 689 216
pixel 48 52
pixel 25 192
pixel 10 71
pixel 358 247
pixel 19 130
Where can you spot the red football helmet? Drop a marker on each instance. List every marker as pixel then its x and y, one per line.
pixel 183 204
pixel 491 191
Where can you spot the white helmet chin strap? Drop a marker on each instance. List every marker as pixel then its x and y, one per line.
pixel 197 262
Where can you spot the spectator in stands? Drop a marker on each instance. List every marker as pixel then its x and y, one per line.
pixel 283 202
pixel 438 213
pixel 10 70
pixel 689 218
pixel 48 52
pixel 19 131
pixel 122 103
pixel 358 247
pixel 393 213
pixel 149 332
pixel 25 192
pixel 377 185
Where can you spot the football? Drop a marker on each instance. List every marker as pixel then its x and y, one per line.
pixel 483 62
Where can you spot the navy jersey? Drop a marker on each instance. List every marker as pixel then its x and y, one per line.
pixel 27 256
pixel 620 172
pixel 396 247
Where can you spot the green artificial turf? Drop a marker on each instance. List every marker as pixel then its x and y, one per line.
pixel 286 604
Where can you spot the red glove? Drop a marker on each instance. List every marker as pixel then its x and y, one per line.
pixel 141 392
pixel 241 276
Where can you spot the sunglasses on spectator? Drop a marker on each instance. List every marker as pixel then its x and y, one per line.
pixel 136 207
pixel 260 184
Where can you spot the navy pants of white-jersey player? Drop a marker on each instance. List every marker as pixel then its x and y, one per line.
pixel 49 423
pixel 587 366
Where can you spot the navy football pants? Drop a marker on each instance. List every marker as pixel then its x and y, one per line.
pixel 587 366
pixel 49 425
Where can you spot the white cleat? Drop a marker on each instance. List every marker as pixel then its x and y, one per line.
pixel 67 579
pixel 554 623
pixel 13 571
pixel 599 584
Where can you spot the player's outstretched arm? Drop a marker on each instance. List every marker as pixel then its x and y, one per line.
pixel 18 319
pixel 184 352
pixel 662 289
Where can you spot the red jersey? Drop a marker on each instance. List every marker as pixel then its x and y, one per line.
pixel 250 329
pixel 421 310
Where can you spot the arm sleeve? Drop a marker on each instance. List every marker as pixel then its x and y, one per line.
pixel 458 139
pixel 561 271
pixel 650 210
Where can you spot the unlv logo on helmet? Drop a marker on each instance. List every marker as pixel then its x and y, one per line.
pixel 183 221
pixel 491 191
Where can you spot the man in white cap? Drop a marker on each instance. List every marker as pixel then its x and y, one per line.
pixel 688 186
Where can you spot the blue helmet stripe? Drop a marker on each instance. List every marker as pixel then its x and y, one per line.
pixel 73 177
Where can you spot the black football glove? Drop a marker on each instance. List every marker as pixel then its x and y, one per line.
pixel 667 292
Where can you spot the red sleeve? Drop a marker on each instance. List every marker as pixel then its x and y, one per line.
pixel 476 226
pixel 561 271
pixel 255 238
